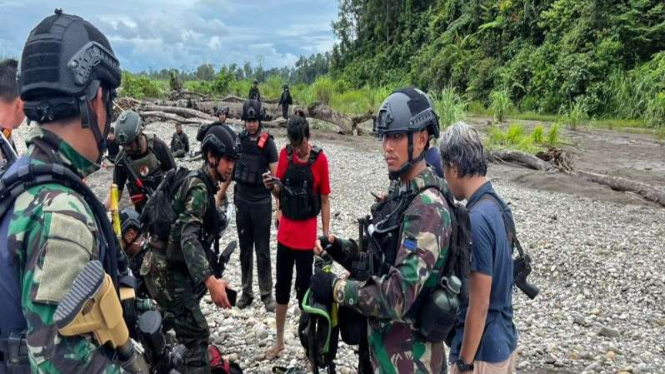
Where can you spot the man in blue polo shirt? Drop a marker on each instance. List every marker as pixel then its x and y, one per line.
pixel 485 336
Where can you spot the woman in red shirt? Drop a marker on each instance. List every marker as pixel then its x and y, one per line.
pixel 302 187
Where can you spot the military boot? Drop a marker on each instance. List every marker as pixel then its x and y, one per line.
pixel 245 301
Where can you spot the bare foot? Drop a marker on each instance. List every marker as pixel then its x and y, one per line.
pixel 274 352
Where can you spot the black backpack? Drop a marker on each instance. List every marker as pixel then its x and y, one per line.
pixel 459 252
pixel 158 215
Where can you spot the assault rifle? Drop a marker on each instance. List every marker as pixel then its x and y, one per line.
pixel 145 191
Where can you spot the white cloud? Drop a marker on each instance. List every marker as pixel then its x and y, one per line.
pixel 185 33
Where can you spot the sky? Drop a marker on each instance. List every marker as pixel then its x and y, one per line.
pixel 184 34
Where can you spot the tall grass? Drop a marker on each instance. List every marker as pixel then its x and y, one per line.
pixel 449 106
pixel 553 134
pixel 500 105
pixel 323 89
pixel 538 134
pixel 574 116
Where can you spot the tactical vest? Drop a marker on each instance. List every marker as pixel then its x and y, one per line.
pixel 253 161
pixel 211 222
pixel 20 177
pixel 148 168
pixel 381 235
pixel 298 199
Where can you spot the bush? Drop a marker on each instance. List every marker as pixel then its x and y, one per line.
pixel 139 87
pixel 538 134
pixel 553 134
pixel 513 138
pixel 575 115
pixel 323 89
pixel 500 105
pixel 449 106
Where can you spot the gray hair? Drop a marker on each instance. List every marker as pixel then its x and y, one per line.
pixel 460 146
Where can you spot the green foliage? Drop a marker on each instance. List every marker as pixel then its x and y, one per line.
pixel 500 105
pixel 323 89
pixel 223 81
pixel 605 55
pixel 514 137
pixel 538 134
pixel 574 116
pixel 553 134
pixel 139 87
pixel 449 106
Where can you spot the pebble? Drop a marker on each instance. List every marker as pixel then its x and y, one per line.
pixel 580 304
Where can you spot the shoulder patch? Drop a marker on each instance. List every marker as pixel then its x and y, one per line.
pixel 410 244
pixel 69 245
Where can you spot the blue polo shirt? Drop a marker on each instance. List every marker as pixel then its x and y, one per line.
pixel 433 160
pixel 490 255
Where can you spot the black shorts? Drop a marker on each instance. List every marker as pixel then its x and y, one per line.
pixel 286 258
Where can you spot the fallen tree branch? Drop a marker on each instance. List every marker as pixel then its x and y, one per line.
pixel 183 112
pixel 624 185
pixel 519 157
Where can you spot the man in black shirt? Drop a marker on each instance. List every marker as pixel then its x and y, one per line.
pixel 179 142
pixel 284 101
pixel 258 154
pixel 254 93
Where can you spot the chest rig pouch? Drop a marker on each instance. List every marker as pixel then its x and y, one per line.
pixel 298 199
pixel 252 162
pixel 148 168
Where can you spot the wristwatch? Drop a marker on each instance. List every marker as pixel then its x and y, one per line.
pixel 462 366
pixel 338 291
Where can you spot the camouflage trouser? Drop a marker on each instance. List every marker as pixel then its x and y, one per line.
pixel 174 292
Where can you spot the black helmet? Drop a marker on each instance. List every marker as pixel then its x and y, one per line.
pixel 407 111
pixel 222 110
pixel 221 141
pixel 129 219
pixel 251 110
pixel 256 81
pixel 65 60
pixel 286 86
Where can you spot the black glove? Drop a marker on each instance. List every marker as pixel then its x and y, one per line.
pixel 336 251
pixel 322 287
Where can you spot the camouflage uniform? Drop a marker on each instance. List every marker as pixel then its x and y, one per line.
pixel 395 344
pixel 52 236
pixel 176 273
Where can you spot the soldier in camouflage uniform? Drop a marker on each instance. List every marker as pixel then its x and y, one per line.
pixel 135 246
pixel 144 157
pixel 179 271
pixel 417 223
pixel 49 232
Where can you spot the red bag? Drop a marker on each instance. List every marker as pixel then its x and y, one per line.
pixel 220 365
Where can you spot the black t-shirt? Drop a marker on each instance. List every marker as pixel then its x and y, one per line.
pixel 257 194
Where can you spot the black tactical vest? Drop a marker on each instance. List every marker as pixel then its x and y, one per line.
pixel 298 199
pixel 252 162
pixel 148 168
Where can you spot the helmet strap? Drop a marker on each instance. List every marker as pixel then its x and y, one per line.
pixel 89 120
pixel 394 175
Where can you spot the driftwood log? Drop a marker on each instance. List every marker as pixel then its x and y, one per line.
pixel 205 109
pixel 521 158
pixel 644 190
pixel 561 161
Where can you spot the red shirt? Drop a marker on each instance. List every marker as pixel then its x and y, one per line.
pixel 301 235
